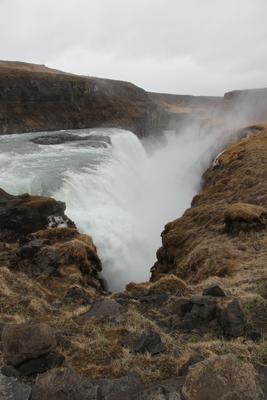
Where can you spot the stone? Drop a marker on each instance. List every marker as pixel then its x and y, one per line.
pixel 24 214
pixel 232 319
pixel 147 342
pixel 169 389
pixel 31 248
pixel 22 342
pixel 64 384
pixel 221 378
pixel 222 315
pixel 106 308
pixel 78 295
pixel 29 349
pixel 214 290
pixel 64 137
pixel 60 252
pixel 253 335
pixel 195 313
pixel 41 364
pixel 192 360
pixel 121 388
pixel 262 374
pixel 12 389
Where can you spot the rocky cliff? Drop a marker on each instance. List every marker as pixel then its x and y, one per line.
pixel 196 331
pixel 177 111
pixel 251 104
pixel 36 98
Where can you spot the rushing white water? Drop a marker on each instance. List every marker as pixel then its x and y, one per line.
pixel 122 196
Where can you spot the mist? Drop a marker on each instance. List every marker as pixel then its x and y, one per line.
pixel 126 203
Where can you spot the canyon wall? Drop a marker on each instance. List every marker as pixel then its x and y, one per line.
pixel 36 98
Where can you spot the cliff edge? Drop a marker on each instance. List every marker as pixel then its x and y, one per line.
pixel 37 98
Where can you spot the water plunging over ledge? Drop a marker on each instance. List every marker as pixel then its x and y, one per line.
pixel 122 195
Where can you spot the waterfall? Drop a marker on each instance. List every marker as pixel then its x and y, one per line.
pixel 122 196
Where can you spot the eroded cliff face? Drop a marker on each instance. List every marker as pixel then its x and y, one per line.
pixel 36 98
pixel 176 112
pixel 222 238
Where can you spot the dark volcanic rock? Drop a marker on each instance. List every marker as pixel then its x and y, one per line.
pixel 77 295
pixel 214 290
pixel 12 389
pixel 147 342
pixel 107 308
pixel 64 385
pixel 204 313
pixel 63 137
pixel 121 388
pixel 232 319
pixel 169 389
pixel 59 252
pixel 24 214
pixel 222 377
pixel 30 349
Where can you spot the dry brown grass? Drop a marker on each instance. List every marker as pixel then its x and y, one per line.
pixel 169 284
pixel 245 212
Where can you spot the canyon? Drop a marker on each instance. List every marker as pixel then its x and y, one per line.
pixel 197 329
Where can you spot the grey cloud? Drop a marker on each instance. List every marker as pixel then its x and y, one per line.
pixel 179 46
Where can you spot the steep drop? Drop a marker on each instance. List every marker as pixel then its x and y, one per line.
pixel 122 196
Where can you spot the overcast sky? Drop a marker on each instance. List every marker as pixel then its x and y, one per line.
pixel 179 46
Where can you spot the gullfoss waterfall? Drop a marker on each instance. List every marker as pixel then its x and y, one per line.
pixel 121 195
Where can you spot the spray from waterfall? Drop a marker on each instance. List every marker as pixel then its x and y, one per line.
pixel 121 196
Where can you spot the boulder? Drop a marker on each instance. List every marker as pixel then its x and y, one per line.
pixel 29 348
pixel 262 373
pixel 60 252
pixel 64 137
pixel 12 389
pixel 106 308
pixel 223 315
pixel 231 319
pixel 169 389
pixel 64 385
pixel 222 378
pixel 24 214
pixel 67 384
pixel 147 342
pixel 214 290
pixel 78 295
pixel 122 388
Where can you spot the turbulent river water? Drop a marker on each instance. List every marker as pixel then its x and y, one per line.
pixel 122 195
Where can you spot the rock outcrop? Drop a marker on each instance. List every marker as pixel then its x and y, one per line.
pixel 36 98
pixel 222 377
pixel 24 214
pixel 29 349
pixel 38 239
pixel 63 137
